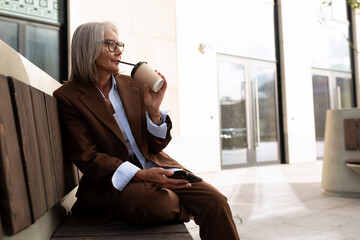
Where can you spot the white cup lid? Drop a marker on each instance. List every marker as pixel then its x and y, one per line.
pixel 158 84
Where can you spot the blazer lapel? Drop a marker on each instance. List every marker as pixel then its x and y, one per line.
pixel 95 102
pixel 131 101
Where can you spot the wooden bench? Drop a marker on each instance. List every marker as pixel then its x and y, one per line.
pixel 35 178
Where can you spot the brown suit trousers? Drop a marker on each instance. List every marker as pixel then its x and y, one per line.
pixel 142 202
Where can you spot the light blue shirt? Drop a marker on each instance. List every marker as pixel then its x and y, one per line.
pixel 126 171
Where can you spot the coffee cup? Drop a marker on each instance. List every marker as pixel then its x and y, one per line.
pixel 145 74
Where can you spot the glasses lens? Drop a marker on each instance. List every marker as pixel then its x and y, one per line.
pixel 112 46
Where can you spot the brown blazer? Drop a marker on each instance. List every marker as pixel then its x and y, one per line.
pixel 94 141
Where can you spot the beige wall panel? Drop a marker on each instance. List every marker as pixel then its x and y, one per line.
pixel 155 18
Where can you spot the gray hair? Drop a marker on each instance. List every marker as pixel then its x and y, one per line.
pixel 86 48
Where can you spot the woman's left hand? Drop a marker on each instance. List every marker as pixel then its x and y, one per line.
pixel 153 99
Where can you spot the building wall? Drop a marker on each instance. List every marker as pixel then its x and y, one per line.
pixel 199 141
pixel 167 34
pixel 298 107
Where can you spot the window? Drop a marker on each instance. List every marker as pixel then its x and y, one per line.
pixel 37 30
pixel 9 34
pixel 331 90
pixel 42 49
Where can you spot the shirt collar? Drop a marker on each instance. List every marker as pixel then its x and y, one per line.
pixel 113 81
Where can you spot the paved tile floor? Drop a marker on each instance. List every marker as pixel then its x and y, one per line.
pixel 285 202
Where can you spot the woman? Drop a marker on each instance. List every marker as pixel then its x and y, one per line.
pixel 115 133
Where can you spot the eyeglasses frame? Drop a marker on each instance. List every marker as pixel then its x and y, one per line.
pixel 119 45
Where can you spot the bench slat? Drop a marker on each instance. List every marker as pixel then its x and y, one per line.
pixel 117 228
pixel 14 203
pixel 351 134
pixel 65 181
pixel 72 230
pixel 43 137
pixel 30 148
pixel 1 231
pixel 178 236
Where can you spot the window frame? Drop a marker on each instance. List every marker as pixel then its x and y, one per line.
pixel 63 39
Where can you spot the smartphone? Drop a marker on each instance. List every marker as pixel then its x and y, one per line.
pixel 186 175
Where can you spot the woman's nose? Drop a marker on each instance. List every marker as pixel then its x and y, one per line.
pixel 118 51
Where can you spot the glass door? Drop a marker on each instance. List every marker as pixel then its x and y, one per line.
pixel 331 90
pixel 265 114
pixel 249 126
pixel 344 91
pixel 321 105
pixel 233 113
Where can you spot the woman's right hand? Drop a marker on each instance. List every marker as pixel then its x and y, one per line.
pixel 159 176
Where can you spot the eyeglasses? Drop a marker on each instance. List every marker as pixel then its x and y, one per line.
pixel 112 45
